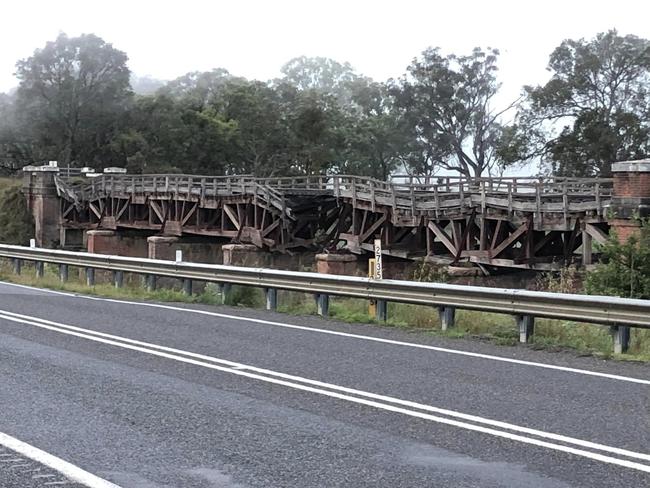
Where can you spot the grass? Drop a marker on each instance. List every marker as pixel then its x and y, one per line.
pixel 583 339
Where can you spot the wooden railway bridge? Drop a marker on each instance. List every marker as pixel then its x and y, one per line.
pixel 534 223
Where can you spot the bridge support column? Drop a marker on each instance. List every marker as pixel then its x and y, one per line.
pixel 43 202
pixel 631 196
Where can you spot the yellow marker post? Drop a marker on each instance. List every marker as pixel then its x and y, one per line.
pixel 372 305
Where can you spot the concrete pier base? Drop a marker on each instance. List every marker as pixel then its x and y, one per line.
pixel 246 255
pixel 112 242
pixel 338 264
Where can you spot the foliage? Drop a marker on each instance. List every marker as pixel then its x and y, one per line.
pixel 71 94
pixel 625 270
pixel 426 272
pixel 447 103
pixel 16 223
pixel 593 110
pixel 567 280
pixel 75 105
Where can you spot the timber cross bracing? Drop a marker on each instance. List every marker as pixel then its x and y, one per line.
pixel 521 222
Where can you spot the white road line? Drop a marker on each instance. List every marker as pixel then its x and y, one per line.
pixel 65 468
pixel 349 335
pixel 240 366
pixel 235 368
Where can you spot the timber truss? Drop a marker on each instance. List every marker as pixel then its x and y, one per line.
pixel 512 222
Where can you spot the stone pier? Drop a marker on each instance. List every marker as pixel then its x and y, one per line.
pixel 631 196
pixel 118 243
pixel 43 202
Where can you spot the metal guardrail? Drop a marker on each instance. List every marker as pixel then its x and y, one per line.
pixel 619 313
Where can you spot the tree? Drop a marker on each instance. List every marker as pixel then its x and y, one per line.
pixel 324 75
pixel 314 122
pixel 447 103
pixel 593 111
pixel 374 137
pixel 260 139
pixel 625 270
pixel 70 96
pixel 199 88
pixel 167 135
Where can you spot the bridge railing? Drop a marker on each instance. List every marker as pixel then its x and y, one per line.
pixel 415 195
pixel 618 313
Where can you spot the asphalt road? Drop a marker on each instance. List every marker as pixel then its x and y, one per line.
pixel 148 395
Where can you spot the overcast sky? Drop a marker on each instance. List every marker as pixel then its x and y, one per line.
pixel 166 39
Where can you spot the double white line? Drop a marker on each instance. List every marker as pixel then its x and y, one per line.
pixel 548 440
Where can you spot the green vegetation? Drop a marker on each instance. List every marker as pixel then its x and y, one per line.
pixel 16 223
pixel 584 339
pixel 625 271
pixel 322 116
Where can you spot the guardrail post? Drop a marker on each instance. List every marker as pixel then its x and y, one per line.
pixel 90 276
pixel 150 282
pixel 447 317
pixel 381 310
pixel 271 298
pixel 187 287
pixel 526 324
pixel 18 264
pixel 225 290
pixel 621 336
pixel 40 269
pixel 63 272
pixel 118 279
pixel 323 304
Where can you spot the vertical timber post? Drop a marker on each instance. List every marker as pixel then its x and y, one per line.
pixel 447 317
pixel 587 248
pixel 526 324
pixel 621 336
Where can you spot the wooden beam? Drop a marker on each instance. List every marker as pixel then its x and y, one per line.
pixel 511 239
pixel 495 236
pixel 465 236
pixel 442 236
pixel 189 214
pixel 157 210
pixel 373 228
pixel 597 233
pixel 231 215
pixel 95 210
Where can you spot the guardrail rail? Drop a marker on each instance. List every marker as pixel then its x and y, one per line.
pixel 620 314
